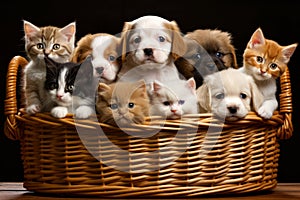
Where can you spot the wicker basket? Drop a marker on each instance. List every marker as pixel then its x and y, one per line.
pixel 193 156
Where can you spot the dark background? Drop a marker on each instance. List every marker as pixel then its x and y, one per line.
pixel 279 21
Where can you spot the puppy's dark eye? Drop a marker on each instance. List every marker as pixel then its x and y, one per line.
pixel 40 46
pixel 113 106
pixel 220 96
pixel 161 39
pixel 259 59
pixel 137 39
pixel 273 66
pixel 130 105
pixel 56 47
pixel 243 95
pixel 219 54
pixel 111 58
pixel 166 103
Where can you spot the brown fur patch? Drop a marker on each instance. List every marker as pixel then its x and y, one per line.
pixel 83 48
pixel 216 41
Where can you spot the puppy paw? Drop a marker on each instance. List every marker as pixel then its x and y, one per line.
pixel 33 108
pixel 59 112
pixel 265 113
pixel 83 112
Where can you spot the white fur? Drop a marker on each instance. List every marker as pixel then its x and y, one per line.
pixel 153 35
pixel 99 45
pixel 181 95
pixel 229 94
pixel 67 103
pixel 267 86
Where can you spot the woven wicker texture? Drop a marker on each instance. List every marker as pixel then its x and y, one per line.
pixel 194 156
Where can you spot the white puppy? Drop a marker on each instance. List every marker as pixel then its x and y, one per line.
pixel 105 50
pixel 229 94
pixel 150 45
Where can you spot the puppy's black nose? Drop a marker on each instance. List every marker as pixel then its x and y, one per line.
pixel 232 109
pixel 99 70
pixel 148 52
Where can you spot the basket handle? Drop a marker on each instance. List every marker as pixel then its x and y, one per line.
pixel 11 109
pixel 286 108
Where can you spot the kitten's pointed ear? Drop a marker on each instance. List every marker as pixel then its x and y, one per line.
pixel 102 87
pixel 191 84
pixel 69 31
pixel 49 61
pixel 156 86
pixel 30 29
pixel 288 51
pixel 51 66
pixel 86 68
pixel 257 38
pixel 141 84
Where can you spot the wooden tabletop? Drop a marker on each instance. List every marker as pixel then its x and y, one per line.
pixel 15 191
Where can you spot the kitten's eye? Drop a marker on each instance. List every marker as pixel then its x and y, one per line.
pixel 219 54
pixel 273 66
pixel 161 39
pixel 70 88
pixel 197 56
pixel 166 103
pixel 40 45
pixel 137 39
pixel 113 106
pixel 220 96
pixel 181 102
pixel 111 58
pixel 243 95
pixel 52 86
pixel 130 105
pixel 56 47
pixel 259 59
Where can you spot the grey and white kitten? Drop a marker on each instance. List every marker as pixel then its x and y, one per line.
pixel 57 44
pixel 172 99
pixel 72 87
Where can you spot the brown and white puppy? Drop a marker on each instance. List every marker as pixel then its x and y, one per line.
pixel 105 50
pixel 229 94
pixel 150 46
pixel 208 51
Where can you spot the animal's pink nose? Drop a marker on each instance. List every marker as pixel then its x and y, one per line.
pixel 59 96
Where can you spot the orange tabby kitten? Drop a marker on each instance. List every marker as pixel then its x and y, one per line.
pixel 122 103
pixel 266 60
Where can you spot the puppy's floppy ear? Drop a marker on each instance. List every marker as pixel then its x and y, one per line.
pixel 234 60
pixel 232 53
pixel 83 49
pixel 178 44
pixel 127 27
pixel 204 98
pixel 257 97
pixel 231 48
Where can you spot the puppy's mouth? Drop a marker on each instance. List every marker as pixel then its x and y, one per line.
pixel 232 118
pixel 149 59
